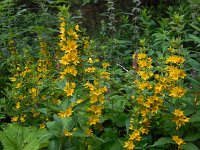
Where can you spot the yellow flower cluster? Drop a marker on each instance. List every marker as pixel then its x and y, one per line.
pixel 69 44
pixel 66 113
pixel 178 140
pixel 175 59
pixel 69 88
pixel 27 80
pixel 90 69
pixel 177 92
pixel 148 104
pixel 97 99
pixel 175 73
pixel 44 63
pixel 69 70
pixel 179 118
pixel 151 89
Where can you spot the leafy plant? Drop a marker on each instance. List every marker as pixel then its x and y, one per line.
pixel 16 137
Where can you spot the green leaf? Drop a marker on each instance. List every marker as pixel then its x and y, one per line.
pixel 79 133
pixel 195 27
pixel 192 137
pixel 16 137
pixel 194 38
pixel 121 119
pixel 162 141
pixel 195 117
pixel 61 84
pixel 42 110
pixel 189 146
pixel 193 81
pixel 68 123
pixel 116 146
pixel 195 64
pixel 170 106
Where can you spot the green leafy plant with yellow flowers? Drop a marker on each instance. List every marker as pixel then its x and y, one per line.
pixel 107 92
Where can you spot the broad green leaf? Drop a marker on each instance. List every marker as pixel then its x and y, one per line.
pixel 68 123
pixel 116 146
pixel 195 117
pixel 79 133
pixel 162 141
pixel 16 137
pixel 61 84
pixel 170 106
pixel 189 146
pixel 192 137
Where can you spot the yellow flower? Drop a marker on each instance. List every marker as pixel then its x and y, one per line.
pixel 144 85
pixel 42 125
pixel 175 73
pixel 89 85
pixel 89 132
pixel 144 130
pixel 34 92
pixel 79 101
pixel 179 118
pixel 61 18
pixel 142 63
pixel 73 34
pixel 90 60
pixel 135 136
pixel 140 99
pixel 77 27
pixel 105 65
pixel 69 88
pixel 142 56
pixel 70 70
pixel 105 75
pixel 18 85
pixel 93 98
pixel 96 109
pixel 158 87
pixel 97 60
pixel 65 60
pixel 177 92
pixel 143 75
pixel 17 105
pixel 61 114
pixel 178 140
pixel 91 69
pixel 13 79
pixel 22 118
pixel 67 113
pixel 67 133
pixel 93 120
pixel 175 59
pixel 71 45
pixel 129 145
pixel 14 119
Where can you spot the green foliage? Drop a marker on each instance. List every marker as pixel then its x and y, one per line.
pixel 16 137
pixel 33 87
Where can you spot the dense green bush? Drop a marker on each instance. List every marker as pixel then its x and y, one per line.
pixel 133 84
